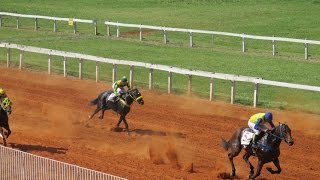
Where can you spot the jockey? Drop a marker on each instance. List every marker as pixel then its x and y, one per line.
pixel 257 124
pixel 118 88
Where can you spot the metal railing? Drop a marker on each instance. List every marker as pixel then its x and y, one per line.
pixel 192 31
pixel 72 21
pixel 189 73
pixel 15 164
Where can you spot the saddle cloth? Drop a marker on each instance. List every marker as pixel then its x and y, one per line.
pixel 247 136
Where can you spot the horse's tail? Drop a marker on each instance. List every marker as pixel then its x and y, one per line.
pixel 94 102
pixel 225 144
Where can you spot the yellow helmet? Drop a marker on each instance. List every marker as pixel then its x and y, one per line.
pixel 2 92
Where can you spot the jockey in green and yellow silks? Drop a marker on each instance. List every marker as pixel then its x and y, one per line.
pixel 257 124
pixel 118 88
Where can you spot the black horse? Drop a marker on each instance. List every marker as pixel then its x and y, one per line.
pixel 122 106
pixel 5 110
pixel 268 149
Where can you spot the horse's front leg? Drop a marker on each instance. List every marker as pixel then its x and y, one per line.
pixel 277 164
pixel 258 172
pixel 123 118
pixel 246 159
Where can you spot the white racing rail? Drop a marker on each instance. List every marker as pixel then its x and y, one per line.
pixel 72 21
pixel 230 77
pixel 20 165
pixel 191 31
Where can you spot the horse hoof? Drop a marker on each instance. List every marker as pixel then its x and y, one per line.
pixel 100 117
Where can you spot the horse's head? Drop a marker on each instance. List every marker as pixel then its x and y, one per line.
pixel 5 104
pixel 136 95
pixel 285 134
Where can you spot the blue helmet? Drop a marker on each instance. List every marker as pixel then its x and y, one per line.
pixel 268 116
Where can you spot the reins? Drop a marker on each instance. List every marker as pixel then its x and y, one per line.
pixel 279 137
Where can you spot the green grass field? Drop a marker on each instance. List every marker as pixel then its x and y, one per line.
pixel 281 18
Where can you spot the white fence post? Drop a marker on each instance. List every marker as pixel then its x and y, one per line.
pixel 64 66
pixel 233 91
pixel 243 43
pixel 141 37
pixel 189 84
pixel 49 64
pixel 169 82
pixel 305 51
pixel 18 24
pixel 273 47
pixel 80 68
pixel 191 40
pixel 55 26
pixel 95 27
pixel 211 89
pixel 36 24
pixel 97 71
pixel 21 59
pixel 256 94
pixel 74 27
pixel 151 79
pixel 165 36
pixel 108 29
pixel 8 57
pixel 114 73
pixel 118 30
pixel 131 76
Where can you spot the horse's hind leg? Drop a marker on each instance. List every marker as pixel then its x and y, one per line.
pixel 95 112
pixel 246 159
pixel 277 164
pixel 102 113
pixel 4 139
pixel 234 152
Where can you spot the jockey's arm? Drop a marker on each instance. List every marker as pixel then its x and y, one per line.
pixel 257 125
pixel 115 89
pixel 271 124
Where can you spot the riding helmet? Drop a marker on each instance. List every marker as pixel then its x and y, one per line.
pixel 268 116
pixel 124 79
pixel 2 92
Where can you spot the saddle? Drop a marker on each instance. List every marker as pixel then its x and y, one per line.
pixel 246 138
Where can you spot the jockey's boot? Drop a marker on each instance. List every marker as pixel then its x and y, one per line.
pixel 255 140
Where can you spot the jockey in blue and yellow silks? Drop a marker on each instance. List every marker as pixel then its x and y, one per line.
pixel 257 124
pixel 118 88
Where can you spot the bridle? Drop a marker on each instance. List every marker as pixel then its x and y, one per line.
pixel 281 133
pixel 135 98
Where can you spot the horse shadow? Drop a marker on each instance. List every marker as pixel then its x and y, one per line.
pixel 27 148
pixel 148 132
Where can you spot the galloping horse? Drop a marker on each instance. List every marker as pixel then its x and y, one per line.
pixel 5 109
pixel 122 106
pixel 268 149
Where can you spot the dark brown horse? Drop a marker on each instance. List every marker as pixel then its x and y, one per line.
pixel 122 106
pixel 5 110
pixel 268 149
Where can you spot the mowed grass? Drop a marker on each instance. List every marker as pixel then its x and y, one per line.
pixel 293 19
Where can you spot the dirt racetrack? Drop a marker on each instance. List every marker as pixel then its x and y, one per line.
pixel 170 134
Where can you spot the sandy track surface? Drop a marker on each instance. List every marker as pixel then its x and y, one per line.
pixel 169 133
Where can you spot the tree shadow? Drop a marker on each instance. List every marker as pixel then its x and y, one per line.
pixel 27 148
pixel 148 132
